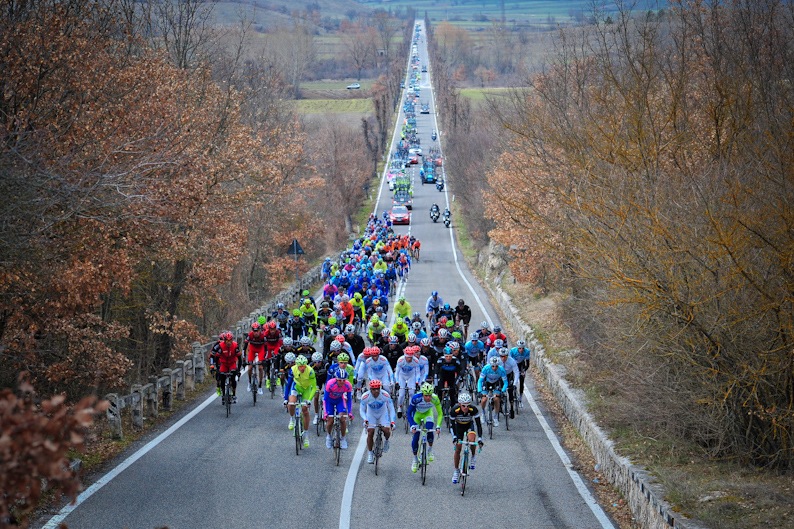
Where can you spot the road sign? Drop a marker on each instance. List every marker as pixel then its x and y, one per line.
pixel 295 248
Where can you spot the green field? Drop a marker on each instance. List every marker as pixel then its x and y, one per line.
pixel 334 106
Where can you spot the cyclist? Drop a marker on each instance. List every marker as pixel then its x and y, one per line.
pixel 348 311
pixel 461 417
pixel 463 317
pixel 281 316
pixel 254 346
pixel 400 330
pixel 493 377
pixel 496 335
pixel 338 399
pixel 420 412
pixel 415 247
pixel 392 351
pixel 376 409
pixel 309 314
pixel 409 376
pixel 447 312
pixel 424 354
pixel 403 266
pixel 513 376
pixel 307 295
pixel 417 330
pixel 483 331
pixel 377 367
pixel 356 341
pixel 434 303
pixel 521 354
pixel 320 373
pixel 402 309
pixel 447 372
pixel 295 325
pixel 324 315
pixel 358 307
pixel 328 339
pixel 229 360
pixel 343 363
pixel 273 342
pixel 301 381
pixel 305 347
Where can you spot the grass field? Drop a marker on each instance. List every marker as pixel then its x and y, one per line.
pixel 334 106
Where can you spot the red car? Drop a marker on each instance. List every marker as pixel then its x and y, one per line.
pixel 400 215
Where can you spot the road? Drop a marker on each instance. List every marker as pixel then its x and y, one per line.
pixel 242 471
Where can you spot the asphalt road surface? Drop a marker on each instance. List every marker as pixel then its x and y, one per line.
pixel 242 472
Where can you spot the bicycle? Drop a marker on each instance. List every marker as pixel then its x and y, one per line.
pixel 226 397
pixel 489 412
pixel 320 426
pixel 464 460
pixel 298 425
pixel 254 378
pixel 272 377
pixel 337 437
pixel 423 452
pixel 378 446
pixel 505 410
pixel 445 405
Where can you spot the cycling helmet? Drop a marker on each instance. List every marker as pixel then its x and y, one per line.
pixel 454 346
pixel 385 333
pixel 494 362
pixel 317 357
pixel 447 351
pixel 450 323
pixel 226 336
pixel 417 315
pixel 409 352
pixel 374 384
pixel 289 358
pixel 307 301
pixel 442 333
pixel 357 295
pixel 349 329
pixel 272 324
pixel 279 306
pixel 339 338
pixel 425 342
pixel 411 337
pixel 475 336
pixel 498 344
pixel 464 398
pixel 375 318
pixel 301 361
pixel 341 374
pixel 392 340
pixel 457 335
pixel 417 325
pixel 442 320
pixel 325 305
pixel 461 302
pixel 296 312
pixel 255 326
pixel 497 330
pixel 306 341
pixel 334 331
pixel 521 343
pixel 374 351
pixel 379 310
pixel 504 352
pixel 401 298
pixel 484 325
pixel 446 306
pixel 335 346
pixel 345 298
pixel 426 388
pixel 434 293
pixel 287 342
pixel 343 357
pixel 305 293
pixel 261 320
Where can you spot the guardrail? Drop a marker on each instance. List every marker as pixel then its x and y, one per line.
pixel 145 400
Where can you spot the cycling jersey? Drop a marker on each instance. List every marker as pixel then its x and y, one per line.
pixel 377 410
pixel 474 348
pixel 304 383
pixel 488 374
pixel 338 397
pixel 254 345
pixel 433 304
pixel 420 409
pixel 402 309
pixel 378 369
pixel 462 417
pixel 520 354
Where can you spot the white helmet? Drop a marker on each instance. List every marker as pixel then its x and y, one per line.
pixel 494 361
pixel 287 341
pixel 317 357
pixel 306 341
pixel 350 329
pixel 289 358
pixel 335 346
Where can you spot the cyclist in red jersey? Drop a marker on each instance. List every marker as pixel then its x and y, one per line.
pixel 254 345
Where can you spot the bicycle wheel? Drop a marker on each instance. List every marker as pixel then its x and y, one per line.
pixel 254 386
pixel 228 397
pixel 319 427
pixel 445 409
pixel 423 462
pixel 337 441
pixel 465 472
pixel 378 448
pixel 506 412
pixel 297 430
pixel 490 420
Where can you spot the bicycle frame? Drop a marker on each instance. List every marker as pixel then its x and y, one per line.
pixel 255 379
pixel 464 460
pixel 378 446
pixel 298 425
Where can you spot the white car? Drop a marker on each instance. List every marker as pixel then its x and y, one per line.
pixel 354 86
pixel 415 150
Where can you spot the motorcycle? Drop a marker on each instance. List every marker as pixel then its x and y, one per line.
pixel 433 136
pixel 434 214
pixel 447 218
pixel 440 185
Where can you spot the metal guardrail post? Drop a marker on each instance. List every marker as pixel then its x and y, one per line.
pixel 168 390
pixel 180 379
pixel 152 404
pixel 137 406
pixel 114 415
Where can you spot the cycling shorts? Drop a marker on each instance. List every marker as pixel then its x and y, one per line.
pixel 305 394
pixel 495 386
pixel 258 351
pixel 335 406
pixel 459 430
pixel 419 417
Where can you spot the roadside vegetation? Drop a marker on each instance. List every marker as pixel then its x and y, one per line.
pixel 641 182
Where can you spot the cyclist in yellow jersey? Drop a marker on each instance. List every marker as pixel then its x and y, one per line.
pixel 402 308
pixel 302 381
pixel 358 305
pixel 309 313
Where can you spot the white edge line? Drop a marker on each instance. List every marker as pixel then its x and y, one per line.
pixel 584 492
pixel 350 483
pixel 104 480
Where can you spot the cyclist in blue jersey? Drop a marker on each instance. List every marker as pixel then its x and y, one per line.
pixel 521 354
pixel 420 412
pixel 493 377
